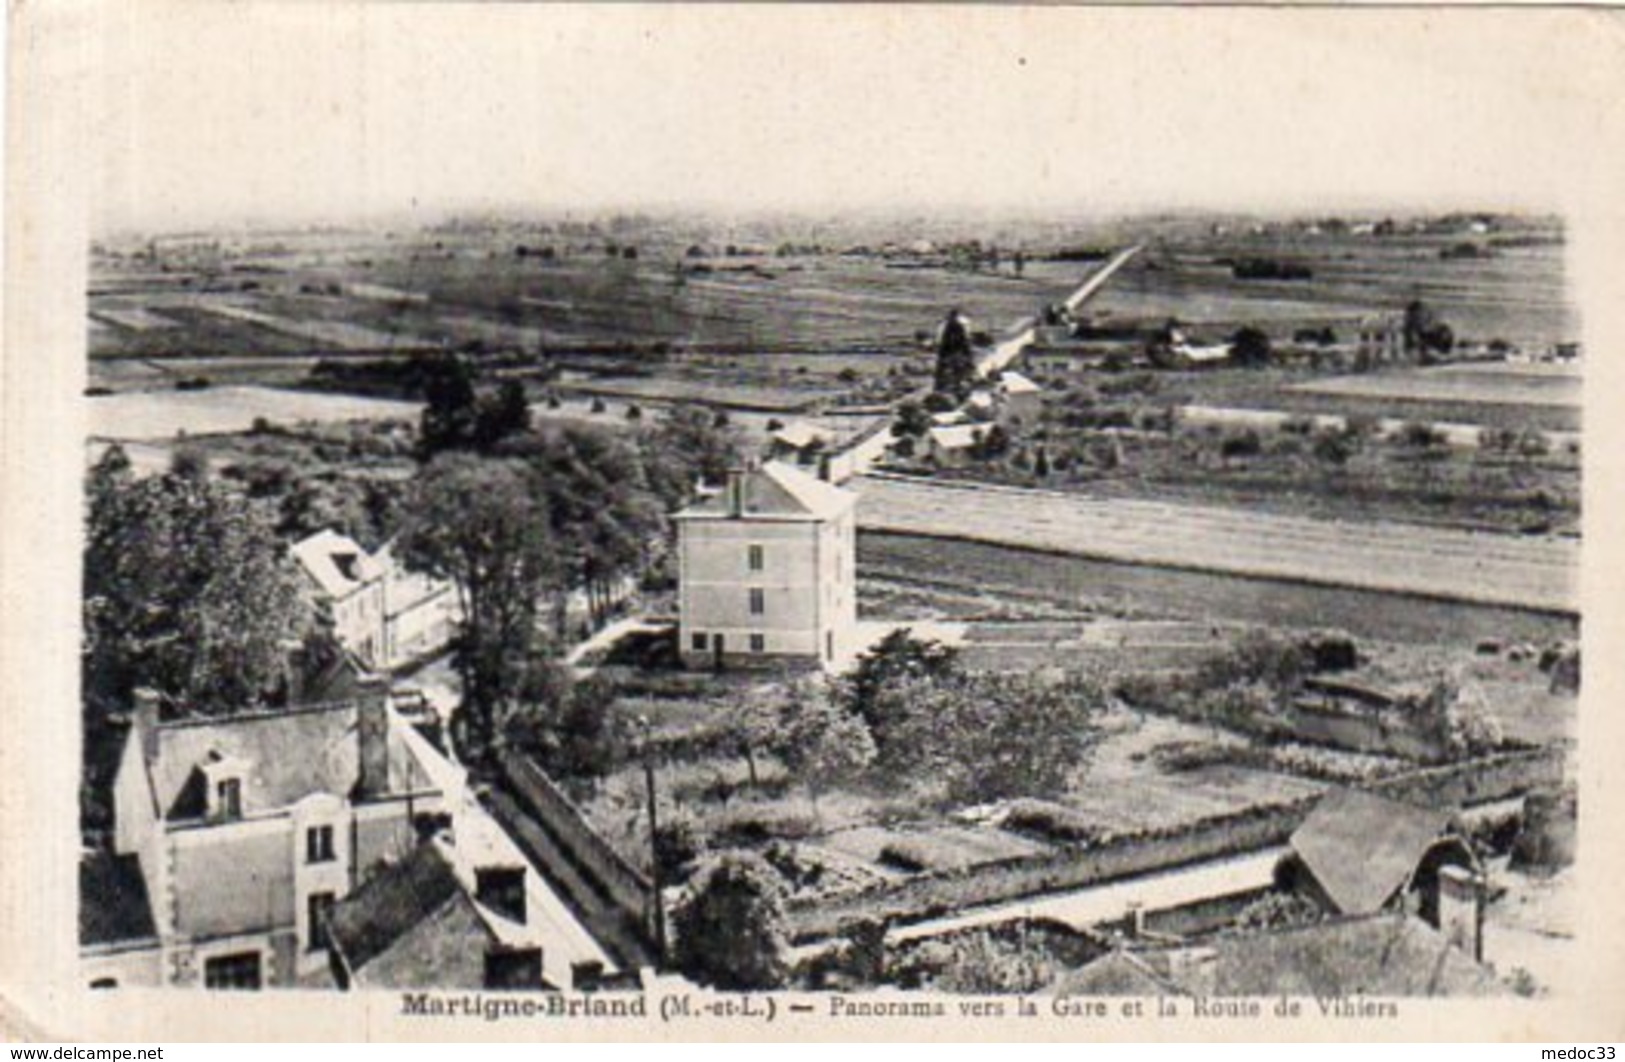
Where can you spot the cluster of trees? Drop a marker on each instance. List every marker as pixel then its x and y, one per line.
pixel 908 713
pixel 457 417
pixel 187 592
pixel 547 513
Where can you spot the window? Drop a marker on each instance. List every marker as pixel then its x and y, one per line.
pixel 319 844
pixel 699 641
pixel 758 643
pixel 758 601
pixel 756 558
pixel 241 970
pixel 317 907
pixel 229 798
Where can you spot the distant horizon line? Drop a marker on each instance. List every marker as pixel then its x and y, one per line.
pixel 416 218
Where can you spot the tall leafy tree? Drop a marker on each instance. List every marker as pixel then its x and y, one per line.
pixel 956 362
pixel 451 416
pixel 602 513
pixel 186 591
pixel 476 522
pixel 822 743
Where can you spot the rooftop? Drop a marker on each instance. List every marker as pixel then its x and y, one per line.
pixel 1362 848
pixel 287 755
pixel 779 491
pixel 420 889
pixel 336 563
pixel 113 903
pixel 1374 955
pixel 956 436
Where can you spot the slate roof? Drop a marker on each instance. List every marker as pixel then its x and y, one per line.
pixel 1013 383
pixel 779 491
pixel 377 916
pixel 1375 955
pixel 336 563
pixel 1381 955
pixel 289 754
pixel 113 903
pixel 956 436
pixel 1362 848
pixel 1119 973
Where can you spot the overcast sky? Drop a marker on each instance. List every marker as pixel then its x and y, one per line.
pixel 212 114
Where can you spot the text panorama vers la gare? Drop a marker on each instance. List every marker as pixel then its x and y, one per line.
pixel 767 1008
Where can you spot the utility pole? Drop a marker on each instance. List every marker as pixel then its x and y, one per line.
pixel 656 878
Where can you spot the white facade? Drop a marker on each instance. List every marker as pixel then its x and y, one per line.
pixel 768 572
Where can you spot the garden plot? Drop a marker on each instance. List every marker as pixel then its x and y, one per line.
pixel 339 334
pixel 134 318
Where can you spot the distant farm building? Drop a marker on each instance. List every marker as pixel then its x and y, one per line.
pixel 768 571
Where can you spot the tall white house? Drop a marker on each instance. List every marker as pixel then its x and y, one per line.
pixel 768 571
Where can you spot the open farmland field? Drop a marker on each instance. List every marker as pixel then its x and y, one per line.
pixel 1137 591
pixel 1303 391
pixel 1505 385
pixel 1530 572
pixel 160 415
pixel 1518 295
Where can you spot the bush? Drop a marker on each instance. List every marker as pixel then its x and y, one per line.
pixel 1420 435
pixel 1333 447
pixel 754 831
pixel 731 929
pixel 1052 823
pixel 598 405
pixel 1297 425
pixel 677 844
pixel 905 856
pixel 1243 443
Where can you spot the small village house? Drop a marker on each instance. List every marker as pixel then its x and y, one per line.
pixel 235 835
pixel 384 614
pixel 768 571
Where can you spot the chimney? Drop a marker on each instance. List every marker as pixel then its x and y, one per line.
pixel 1135 923
pixel 372 726
pixel 144 718
pixel 1461 909
pixel 502 889
pixel 736 492
pixel 824 467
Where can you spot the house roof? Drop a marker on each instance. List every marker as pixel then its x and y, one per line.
pixel 113 903
pixel 777 490
pixel 1120 973
pixel 1362 848
pixel 288 754
pixel 336 563
pixel 799 434
pixel 956 436
pixel 1013 383
pixel 1380 955
pixel 417 891
pixel 1390 954
pixel 951 416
